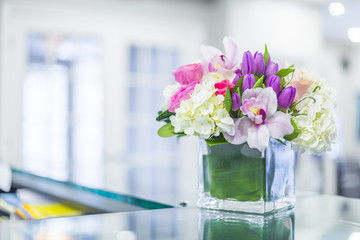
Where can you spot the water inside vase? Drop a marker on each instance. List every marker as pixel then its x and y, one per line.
pixel 238 173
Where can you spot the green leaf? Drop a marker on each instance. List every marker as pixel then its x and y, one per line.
pixel 164 115
pixel 216 140
pixel 239 111
pixel 259 82
pixel 232 174
pixel 228 100
pixel 166 131
pixel 317 88
pixel 233 114
pixel 280 141
pixel 292 107
pixel 266 56
pixel 283 82
pixel 179 135
pixel 295 133
pixel 238 85
pixel 284 72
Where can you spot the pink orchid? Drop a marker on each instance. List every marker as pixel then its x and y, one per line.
pixel 262 121
pixel 222 87
pixel 189 73
pixel 215 61
pixel 183 93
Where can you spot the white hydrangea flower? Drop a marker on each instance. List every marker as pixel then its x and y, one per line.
pixel 203 114
pixel 216 77
pixel 168 92
pixel 317 125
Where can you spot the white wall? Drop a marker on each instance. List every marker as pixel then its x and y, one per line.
pixel 292 31
pixel 350 85
pixel 117 23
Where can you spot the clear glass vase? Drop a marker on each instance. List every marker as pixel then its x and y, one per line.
pixel 239 178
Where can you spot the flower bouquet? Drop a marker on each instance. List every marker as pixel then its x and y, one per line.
pixel 249 112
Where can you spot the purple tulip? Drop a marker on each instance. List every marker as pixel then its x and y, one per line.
pixel 272 69
pixel 269 59
pixel 248 82
pixel 248 63
pixel 259 64
pixel 286 97
pixel 237 77
pixel 275 83
pixel 235 102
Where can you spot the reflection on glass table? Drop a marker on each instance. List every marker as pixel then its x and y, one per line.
pixel 314 217
pixel 227 225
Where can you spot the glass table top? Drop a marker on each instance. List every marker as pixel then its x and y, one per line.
pixel 167 179
pixel 314 217
pixel 102 199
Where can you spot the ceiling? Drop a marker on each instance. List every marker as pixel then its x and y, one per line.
pixel 335 27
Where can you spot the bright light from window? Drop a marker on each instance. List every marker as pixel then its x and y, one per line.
pixel 354 236
pixel 126 235
pixel 336 8
pixel 354 34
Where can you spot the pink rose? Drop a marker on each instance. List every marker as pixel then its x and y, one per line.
pixel 301 81
pixel 180 95
pixel 222 87
pixel 189 73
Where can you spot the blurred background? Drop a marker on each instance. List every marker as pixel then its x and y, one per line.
pixel 82 81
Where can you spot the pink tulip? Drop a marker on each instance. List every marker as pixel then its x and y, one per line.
pixel 222 87
pixel 182 94
pixel 189 73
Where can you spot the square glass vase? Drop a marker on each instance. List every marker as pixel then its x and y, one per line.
pixel 242 179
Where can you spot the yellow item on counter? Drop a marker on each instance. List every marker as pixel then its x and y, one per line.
pixel 50 210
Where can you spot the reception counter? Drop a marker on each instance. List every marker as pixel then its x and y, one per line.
pixel 96 199
pixel 116 215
